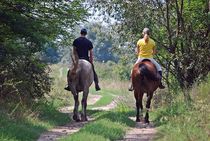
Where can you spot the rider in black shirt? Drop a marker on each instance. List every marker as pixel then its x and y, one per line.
pixel 83 46
pixel 84 49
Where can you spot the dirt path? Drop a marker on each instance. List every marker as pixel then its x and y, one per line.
pixel 141 132
pixel 60 131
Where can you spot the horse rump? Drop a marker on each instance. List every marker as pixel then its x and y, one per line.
pixel 145 72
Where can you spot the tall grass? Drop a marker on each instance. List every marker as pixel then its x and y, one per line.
pixel 184 122
pixel 31 124
pixel 25 123
pixel 58 95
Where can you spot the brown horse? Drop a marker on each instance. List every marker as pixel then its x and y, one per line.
pixel 145 79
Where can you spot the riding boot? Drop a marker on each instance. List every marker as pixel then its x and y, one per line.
pixel 161 86
pixel 96 82
pixel 96 79
pixel 130 88
pixel 67 87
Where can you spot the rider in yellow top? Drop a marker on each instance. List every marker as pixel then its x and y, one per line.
pixel 146 48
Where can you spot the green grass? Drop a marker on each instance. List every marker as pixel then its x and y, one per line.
pixel 83 136
pixel 105 100
pixel 58 95
pixel 182 122
pixel 109 125
pixel 42 117
pixel 29 128
pixel 107 97
pixel 26 123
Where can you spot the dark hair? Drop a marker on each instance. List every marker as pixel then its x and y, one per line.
pixel 83 31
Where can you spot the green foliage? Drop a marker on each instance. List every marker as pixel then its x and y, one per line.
pixel 85 136
pixel 105 71
pixel 178 27
pixel 48 113
pixel 123 68
pixel 111 70
pixel 180 121
pixel 26 29
pixel 108 95
pixel 104 40
pixel 23 79
pixel 29 126
pixel 105 100
pixel 58 95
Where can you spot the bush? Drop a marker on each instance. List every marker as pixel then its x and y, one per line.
pixel 23 79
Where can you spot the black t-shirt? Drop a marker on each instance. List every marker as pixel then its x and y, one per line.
pixel 83 45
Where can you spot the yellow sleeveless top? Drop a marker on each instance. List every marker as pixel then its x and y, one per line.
pixel 146 49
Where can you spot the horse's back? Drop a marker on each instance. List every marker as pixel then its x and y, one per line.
pixel 85 66
pixel 85 71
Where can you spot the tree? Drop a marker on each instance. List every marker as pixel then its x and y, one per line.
pixel 26 27
pixel 103 40
pixel 180 29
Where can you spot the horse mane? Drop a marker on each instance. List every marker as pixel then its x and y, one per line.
pixel 144 71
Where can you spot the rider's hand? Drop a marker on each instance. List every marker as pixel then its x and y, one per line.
pixel 91 60
pixel 136 51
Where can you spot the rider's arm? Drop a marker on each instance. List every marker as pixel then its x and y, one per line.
pixel 137 47
pixel 91 55
pixel 154 50
pixel 137 50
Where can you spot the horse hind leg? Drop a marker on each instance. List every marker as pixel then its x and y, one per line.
pixel 141 107
pixel 137 105
pixel 84 106
pixel 138 97
pixel 76 106
pixel 149 98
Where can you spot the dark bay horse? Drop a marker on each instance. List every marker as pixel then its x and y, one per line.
pixel 145 79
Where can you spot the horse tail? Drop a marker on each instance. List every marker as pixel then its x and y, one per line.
pixel 144 71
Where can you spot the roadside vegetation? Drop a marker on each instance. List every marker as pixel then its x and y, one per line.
pixel 174 119
pixel 36 38
pixel 181 121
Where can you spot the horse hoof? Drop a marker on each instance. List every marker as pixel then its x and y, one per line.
pixel 137 120
pixel 146 121
pixel 76 118
pixel 84 119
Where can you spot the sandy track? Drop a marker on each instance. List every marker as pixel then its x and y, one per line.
pixel 60 131
pixel 141 132
pixel 72 127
